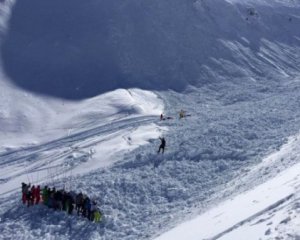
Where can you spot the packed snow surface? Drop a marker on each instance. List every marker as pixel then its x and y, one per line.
pixel 79 110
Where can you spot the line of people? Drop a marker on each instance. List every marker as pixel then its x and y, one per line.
pixel 62 201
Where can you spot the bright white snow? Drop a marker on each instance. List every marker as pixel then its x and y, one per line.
pixel 83 136
pixel 264 212
pixel 233 66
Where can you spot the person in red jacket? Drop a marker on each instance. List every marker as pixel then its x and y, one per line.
pixel 32 197
pixel 37 194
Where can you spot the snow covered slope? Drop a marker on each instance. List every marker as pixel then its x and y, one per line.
pixel 79 49
pixel 90 134
pixel 269 211
pixel 233 66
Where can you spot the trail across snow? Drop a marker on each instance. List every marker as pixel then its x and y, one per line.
pixel 81 137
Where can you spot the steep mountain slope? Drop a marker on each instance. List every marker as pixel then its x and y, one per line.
pixel 77 49
pixel 233 66
pixel 268 211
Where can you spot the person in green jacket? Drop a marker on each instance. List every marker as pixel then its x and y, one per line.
pixel 97 215
pixel 45 195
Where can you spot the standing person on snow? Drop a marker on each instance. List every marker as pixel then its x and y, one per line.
pixel 45 195
pixel 28 195
pixel 79 203
pixel 181 114
pixel 33 192
pixel 37 194
pixel 162 145
pixel 88 208
pixel 161 117
pixel 93 209
pixel 97 215
pixel 24 191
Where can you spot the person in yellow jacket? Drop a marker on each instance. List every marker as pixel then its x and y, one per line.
pixel 181 114
pixel 97 215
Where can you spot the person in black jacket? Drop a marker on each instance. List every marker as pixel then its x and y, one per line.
pixel 162 145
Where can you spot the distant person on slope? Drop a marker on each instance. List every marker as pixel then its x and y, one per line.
pixel 28 195
pixel 37 194
pixel 181 114
pixel 97 215
pixel 161 117
pixel 162 145
pixel 32 199
pixel 24 192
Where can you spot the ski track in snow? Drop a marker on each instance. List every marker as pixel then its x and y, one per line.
pixel 56 153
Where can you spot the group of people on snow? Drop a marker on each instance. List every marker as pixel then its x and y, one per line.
pixel 182 114
pixel 30 194
pixel 61 200
pixel 65 201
